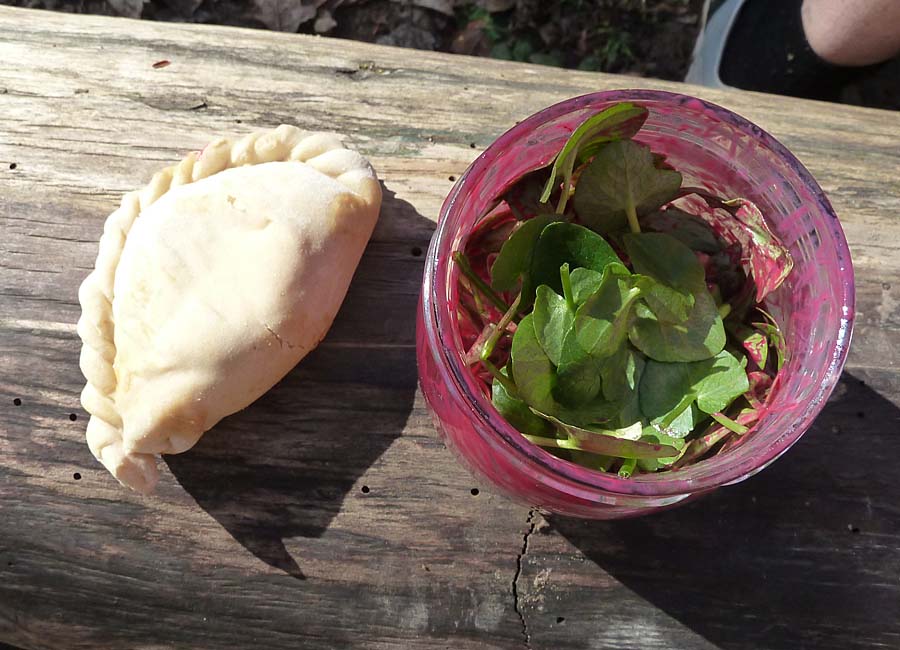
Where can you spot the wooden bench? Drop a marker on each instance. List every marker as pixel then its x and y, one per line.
pixel 329 514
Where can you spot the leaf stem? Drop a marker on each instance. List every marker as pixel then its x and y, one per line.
pixel 558 443
pixel 729 424
pixel 685 402
pixel 569 165
pixel 695 449
pixel 463 262
pixel 631 213
pixel 504 381
pixel 499 328
pixel 627 468
pixel 724 310
pixel 567 286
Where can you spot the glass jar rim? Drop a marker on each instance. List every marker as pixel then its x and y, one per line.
pixel 738 464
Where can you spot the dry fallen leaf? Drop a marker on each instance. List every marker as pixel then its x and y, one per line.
pixel 285 15
pixel 325 22
pixel 127 8
pixel 441 6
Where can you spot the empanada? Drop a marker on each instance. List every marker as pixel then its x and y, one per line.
pixel 211 284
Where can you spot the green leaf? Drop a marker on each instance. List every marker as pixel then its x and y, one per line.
pixel 621 376
pixel 713 384
pixel 684 423
pixel 689 229
pixel 666 260
pixel 667 304
pixel 514 258
pixel 521 49
pixel 595 413
pixel 620 373
pixel 577 374
pixel 566 243
pixel 532 369
pixel 585 283
pixel 622 180
pixel 602 322
pixel 620 121
pixel 656 464
pixel 674 274
pixel 719 381
pixel 607 443
pixel 516 412
pixel 663 388
pixel 700 337
pixel 552 321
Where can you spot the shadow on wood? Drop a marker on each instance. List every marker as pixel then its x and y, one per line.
pixel 282 467
pixel 810 543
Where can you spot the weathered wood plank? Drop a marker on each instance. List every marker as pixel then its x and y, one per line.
pixel 803 555
pixel 263 535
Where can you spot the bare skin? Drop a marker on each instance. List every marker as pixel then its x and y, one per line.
pixel 853 32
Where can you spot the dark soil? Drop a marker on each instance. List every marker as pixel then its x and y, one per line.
pixel 652 38
pixel 641 37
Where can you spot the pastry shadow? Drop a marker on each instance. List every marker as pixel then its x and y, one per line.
pixel 282 467
pixel 790 557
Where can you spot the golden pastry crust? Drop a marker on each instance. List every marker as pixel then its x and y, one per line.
pixel 281 218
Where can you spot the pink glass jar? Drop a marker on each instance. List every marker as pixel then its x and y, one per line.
pixel 714 149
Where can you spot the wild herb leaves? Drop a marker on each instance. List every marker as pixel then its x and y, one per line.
pixel 601 323
pixel 578 360
pixel 553 320
pixel 517 412
pixel 669 389
pixel 666 260
pixel 567 243
pixel 532 369
pixel 621 183
pixel 679 320
pixel 615 123
pixel 612 341
pixel 515 255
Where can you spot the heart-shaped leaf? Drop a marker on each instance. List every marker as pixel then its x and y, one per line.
pixel 516 412
pixel 668 389
pixel 602 322
pixel 701 336
pixel 514 257
pixel 689 229
pixel 566 243
pixel 532 369
pixel 553 320
pixel 623 120
pixel 577 375
pixel 621 183
pixel 585 283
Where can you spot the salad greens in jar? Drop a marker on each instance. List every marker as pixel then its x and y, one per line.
pixel 616 317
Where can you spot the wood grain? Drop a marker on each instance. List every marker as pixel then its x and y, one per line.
pixel 328 514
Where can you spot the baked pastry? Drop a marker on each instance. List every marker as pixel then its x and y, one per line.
pixel 211 283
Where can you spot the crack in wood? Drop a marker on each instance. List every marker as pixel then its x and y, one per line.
pixel 515 582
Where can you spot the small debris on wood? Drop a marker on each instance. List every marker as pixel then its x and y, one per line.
pixel 199 106
pixel 161 64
